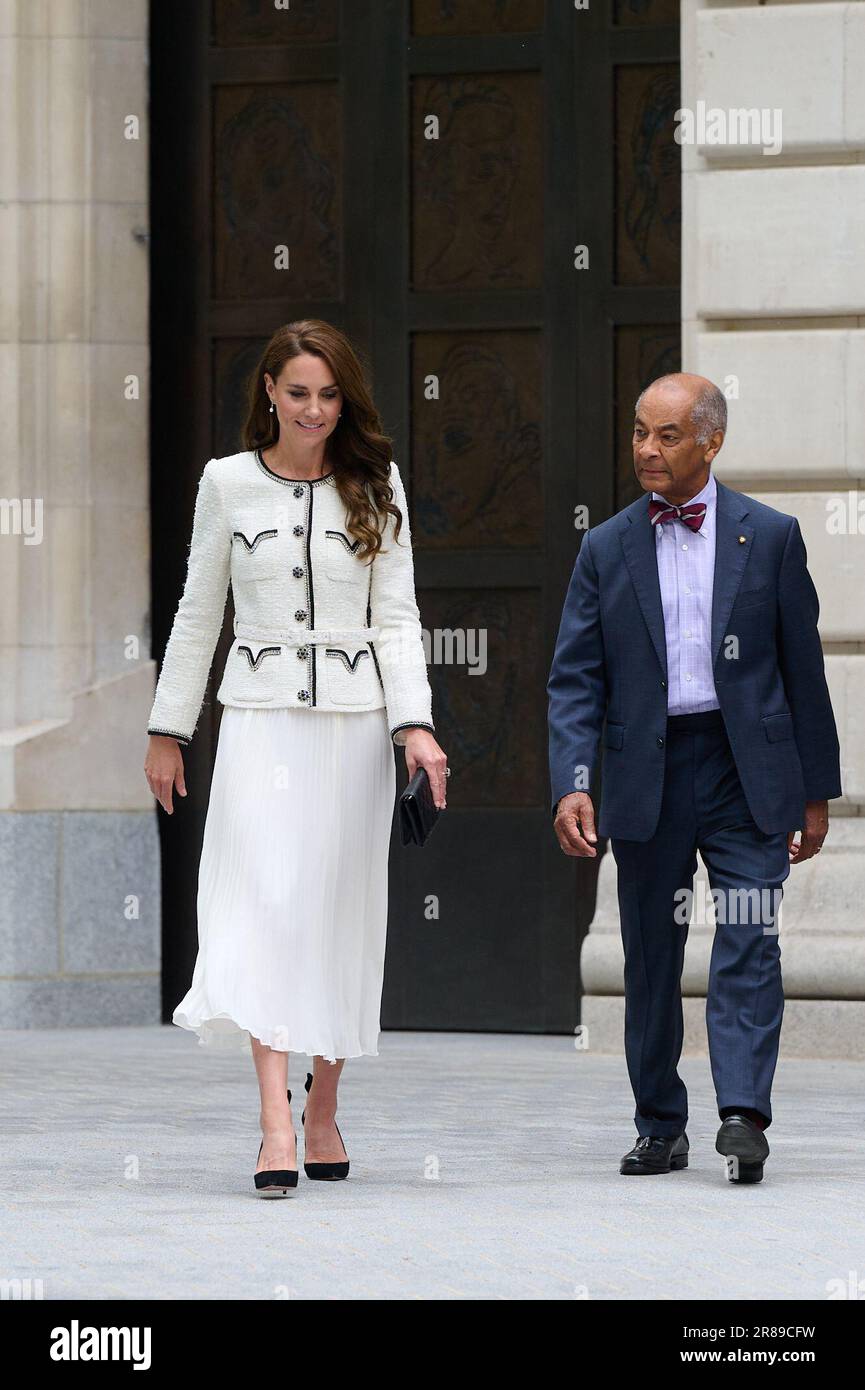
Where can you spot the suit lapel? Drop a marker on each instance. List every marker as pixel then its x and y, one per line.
pixel 638 543
pixel 731 556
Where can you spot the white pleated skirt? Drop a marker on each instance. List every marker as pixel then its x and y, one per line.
pixel 292 883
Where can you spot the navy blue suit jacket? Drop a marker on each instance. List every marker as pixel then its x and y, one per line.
pixel 609 672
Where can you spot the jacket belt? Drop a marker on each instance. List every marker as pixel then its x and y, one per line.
pixel 304 636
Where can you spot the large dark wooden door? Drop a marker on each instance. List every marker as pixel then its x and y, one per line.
pixel 432 168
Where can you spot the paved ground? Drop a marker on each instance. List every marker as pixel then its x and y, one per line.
pixel 483 1167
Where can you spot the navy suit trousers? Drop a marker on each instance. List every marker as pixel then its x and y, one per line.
pixel 703 808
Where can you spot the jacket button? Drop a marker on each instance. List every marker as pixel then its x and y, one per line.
pixel 298 492
pixel 297 572
pixel 300 614
pixel 303 694
pixel 302 653
pixel 663 685
pixel 298 530
pixel 660 743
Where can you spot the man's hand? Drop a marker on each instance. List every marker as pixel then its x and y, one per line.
pixel 575 825
pixel 813 832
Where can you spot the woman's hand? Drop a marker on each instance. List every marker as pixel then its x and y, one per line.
pixel 421 750
pixel 163 768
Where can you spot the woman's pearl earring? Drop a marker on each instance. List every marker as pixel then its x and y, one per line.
pixel 271 408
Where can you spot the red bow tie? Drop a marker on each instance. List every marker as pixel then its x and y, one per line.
pixel 691 515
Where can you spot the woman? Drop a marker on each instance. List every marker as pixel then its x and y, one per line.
pixel 327 670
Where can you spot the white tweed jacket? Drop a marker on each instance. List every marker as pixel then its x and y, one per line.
pixel 315 627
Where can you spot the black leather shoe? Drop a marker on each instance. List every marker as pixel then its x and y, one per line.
pixel 745 1146
pixel 275 1182
pixel 324 1172
pixel 656 1155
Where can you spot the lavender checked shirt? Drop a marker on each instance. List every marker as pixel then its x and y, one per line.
pixel 686 571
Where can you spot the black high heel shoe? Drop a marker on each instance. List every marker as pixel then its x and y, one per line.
pixel 275 1182
pixel 325 1172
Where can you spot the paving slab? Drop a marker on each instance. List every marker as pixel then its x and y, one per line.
pixel 484 1166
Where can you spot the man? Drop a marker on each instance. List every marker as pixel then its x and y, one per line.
pixel 689 638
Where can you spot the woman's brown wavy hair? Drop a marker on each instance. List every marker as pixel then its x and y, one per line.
pixel 358 451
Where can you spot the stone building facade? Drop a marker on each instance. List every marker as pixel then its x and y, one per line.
pixel 773 306
pixel 773 298
pixel 79 854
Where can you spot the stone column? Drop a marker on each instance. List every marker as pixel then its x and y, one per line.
pixel 773 303
pixel 79 858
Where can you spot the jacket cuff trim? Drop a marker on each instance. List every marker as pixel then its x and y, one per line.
pixel 170 733
pixel 413 724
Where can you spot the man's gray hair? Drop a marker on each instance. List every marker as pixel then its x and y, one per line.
pixel 708 413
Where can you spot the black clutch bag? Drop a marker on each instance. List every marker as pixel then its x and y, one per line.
pixel 418 812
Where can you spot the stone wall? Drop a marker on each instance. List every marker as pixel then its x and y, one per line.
pixel 79 854
pixel 774 312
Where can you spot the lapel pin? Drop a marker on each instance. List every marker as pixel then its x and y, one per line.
pixel 741 540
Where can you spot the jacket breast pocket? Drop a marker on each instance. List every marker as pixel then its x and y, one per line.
pixel 349 675
pixel 254 554
pixel 614 735
pixel 750 598
pixel 340 557
pixel 253 671
pixel 778 727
